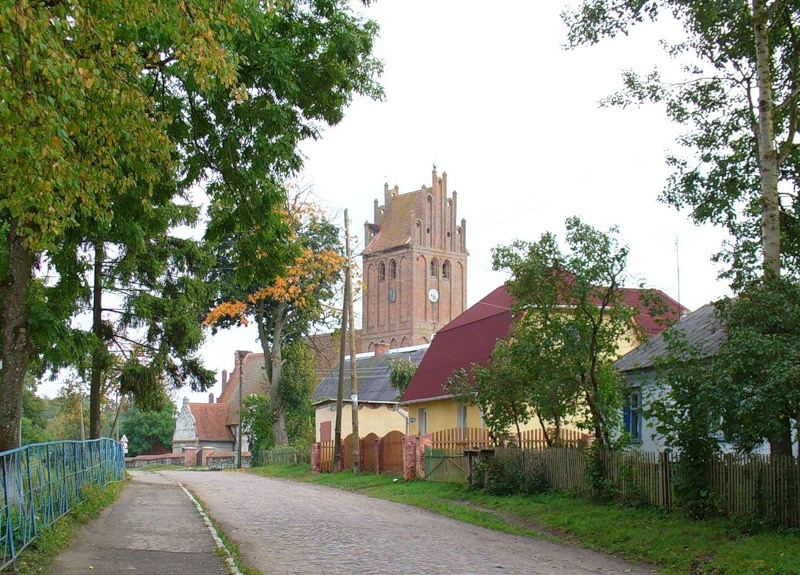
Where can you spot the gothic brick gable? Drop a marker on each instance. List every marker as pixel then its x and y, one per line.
pixel 414 265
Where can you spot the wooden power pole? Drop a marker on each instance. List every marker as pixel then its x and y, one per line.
pixel 337 434
pixel 351 323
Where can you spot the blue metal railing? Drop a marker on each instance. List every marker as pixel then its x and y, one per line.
pixel 41 482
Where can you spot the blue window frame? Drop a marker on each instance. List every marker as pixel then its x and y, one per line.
pixel 633 416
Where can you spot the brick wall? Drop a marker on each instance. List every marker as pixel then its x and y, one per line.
pixel 145 460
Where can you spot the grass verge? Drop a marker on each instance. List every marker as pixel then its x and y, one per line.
pixel 232 548
pixel 41 553
pixel 676 544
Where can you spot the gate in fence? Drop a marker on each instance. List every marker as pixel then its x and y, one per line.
pixel 446 465
pixel 44 481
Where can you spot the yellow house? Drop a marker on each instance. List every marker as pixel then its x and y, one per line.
pixel 470 338
pixel 378 409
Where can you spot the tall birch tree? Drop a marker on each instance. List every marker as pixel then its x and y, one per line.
pixel 739 100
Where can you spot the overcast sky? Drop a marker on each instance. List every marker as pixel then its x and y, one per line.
pixel 488 94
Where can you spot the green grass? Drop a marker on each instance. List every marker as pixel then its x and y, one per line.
pixel 674 543
pixel 41 553
pixel 232 548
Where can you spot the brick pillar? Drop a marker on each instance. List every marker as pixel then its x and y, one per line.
pixel 410 443
pixel 423 441
pixel 315 457
pixel 378 456
pixel 190 456
pixel 205 452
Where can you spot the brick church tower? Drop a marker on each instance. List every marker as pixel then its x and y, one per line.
pixel 415 266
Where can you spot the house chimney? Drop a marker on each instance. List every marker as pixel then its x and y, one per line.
pixel 210 398
pixel 224 379
pixel 381 348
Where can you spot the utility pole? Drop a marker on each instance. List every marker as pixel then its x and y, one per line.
pixel 351 323
pixel 241 355
pixel 337 437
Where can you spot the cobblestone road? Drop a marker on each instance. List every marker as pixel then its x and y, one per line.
pixel 284 527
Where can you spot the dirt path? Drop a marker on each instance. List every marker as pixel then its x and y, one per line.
pixel 284 527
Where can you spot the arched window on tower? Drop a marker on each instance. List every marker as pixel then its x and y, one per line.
pixel 382 272
pixel 434 268
pixel 446 270
pixel 392 269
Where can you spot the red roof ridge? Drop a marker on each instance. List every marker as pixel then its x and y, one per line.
pixel 499 310
pixel 453 347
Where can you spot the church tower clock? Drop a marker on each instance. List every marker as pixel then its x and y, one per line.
pixel 414 264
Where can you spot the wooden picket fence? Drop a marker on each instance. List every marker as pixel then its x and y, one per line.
pixel 475 438
pixel 760 486
pixel 632 476
pixel 535 439
pixel 751 486
pixel 459 439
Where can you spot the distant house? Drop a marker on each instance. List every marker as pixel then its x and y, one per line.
pixel 378 410
pixel 471 338
pixel 215 424
pixel 202 425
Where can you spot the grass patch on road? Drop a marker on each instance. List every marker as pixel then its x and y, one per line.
pixel 675 544
pixel 40 554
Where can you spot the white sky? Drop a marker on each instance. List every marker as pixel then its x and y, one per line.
pixel 488 94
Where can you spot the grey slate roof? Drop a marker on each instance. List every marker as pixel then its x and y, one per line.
pixel 373 377
pixel 702 329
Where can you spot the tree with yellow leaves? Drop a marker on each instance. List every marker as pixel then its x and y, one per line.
pixel 285 286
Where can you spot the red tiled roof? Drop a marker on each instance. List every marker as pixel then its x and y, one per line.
pixel 209 420
pixel 396 226
pixel 471 337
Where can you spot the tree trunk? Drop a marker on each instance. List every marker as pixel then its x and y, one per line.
pixel 547 439
pixel 17 345
pixel 273 361
pixel 768 171
pixel 98 353
pixel 767 153
pixel 782 445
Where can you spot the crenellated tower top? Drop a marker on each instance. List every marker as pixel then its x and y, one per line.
pixel 415 264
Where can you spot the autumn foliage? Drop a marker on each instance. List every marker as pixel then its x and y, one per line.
pixel 304 275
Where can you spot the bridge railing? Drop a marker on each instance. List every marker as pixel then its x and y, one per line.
pixel 41 482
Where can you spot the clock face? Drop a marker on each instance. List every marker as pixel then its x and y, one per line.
pixel 433 295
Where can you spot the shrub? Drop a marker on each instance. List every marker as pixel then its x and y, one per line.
pixel 511 476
